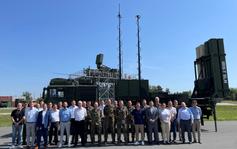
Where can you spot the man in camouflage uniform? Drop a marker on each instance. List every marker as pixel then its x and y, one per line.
pixel 121 114
pixel 101 107
pixel 95 116
pixel 109 112
pixel 89 108
pixel 115 104
pixel 130 121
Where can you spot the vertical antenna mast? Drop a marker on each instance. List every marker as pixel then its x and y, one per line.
pixel 139 55
pixel 120 45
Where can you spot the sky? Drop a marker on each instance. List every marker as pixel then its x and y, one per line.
pixel 41 40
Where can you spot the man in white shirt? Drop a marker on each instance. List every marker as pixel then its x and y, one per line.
pixel 53 130
pixel 165 118
pixel 80 114
pixel 31 114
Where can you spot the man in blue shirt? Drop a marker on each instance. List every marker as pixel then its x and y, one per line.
pixel 73 124
pixel 31 114
pixel 185 119
pixel 138 115
pixel 197 113
pixel 65 117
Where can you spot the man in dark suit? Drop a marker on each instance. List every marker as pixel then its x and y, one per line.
pixel 152 114
pixel 42 124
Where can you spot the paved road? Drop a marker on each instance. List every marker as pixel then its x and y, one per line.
pixel 225 138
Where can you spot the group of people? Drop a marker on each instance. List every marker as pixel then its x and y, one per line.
pixel 82 119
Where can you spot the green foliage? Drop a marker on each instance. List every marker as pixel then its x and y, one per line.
pixel 230 101
pixel 39 99
pixel 156 89
pixel 187 93
pixel 27 95
pixel 167 90
pixel 233 93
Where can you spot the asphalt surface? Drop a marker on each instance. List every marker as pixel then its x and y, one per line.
pixel 225 138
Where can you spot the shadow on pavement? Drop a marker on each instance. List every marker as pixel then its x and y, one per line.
pixel 7 135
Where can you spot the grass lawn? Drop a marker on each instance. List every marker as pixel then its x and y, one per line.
pixel 5 120
pixel 226 113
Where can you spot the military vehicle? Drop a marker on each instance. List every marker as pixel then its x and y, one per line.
pixel 95 84
pixel 211 80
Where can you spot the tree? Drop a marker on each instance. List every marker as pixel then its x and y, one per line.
pixel 159 88
pixel 156 89
pixel 233 94
pixel 187 93
pixel 27 95
pixel 167 90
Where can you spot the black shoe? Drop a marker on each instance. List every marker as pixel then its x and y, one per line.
pixel 199 142
pixel 65 143
pixel 132 140
pixel 119 142
pixel 183 142
pixel 189 142
pixel 194 141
